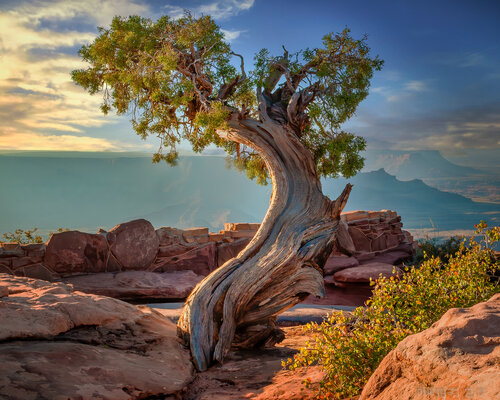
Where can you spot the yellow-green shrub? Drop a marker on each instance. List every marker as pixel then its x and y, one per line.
pixel 350 347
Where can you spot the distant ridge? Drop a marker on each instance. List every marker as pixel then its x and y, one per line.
pixel 87 193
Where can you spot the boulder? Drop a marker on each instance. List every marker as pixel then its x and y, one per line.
pixel 391 257
pixel 458 357
pixel 200 259
pixel 11 250
pixel 134 244
pixel 364 273
pixel 73 252
pixel 227 251
pixel 38 271
pixel 5 270
pixel 338 263
pixel 137 285
pixel 168 236
pixel 361 242
pixel 174 250
pixel 85 346
pixel 343 239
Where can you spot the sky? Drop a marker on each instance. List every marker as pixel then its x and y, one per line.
pixel 439 88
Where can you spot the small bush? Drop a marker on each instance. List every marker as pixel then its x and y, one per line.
pixel 349 348
pixel 428 248
pixel 29 236
pixel 23 237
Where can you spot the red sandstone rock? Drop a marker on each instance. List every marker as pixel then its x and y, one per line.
pixel 135 244
pixel 169 236
pixel 360 240
pixel 76 252
pixel 364 273
pixel 38 271
pixel 173 250
pixel 11 250
pixel 379 242
pixel 391 257
pixel 338 263
pixel 227 251
pixel 343 240
pixel 5 270
pixel 85 346
pixel 458 358
pixel 137 285
pixel 200 259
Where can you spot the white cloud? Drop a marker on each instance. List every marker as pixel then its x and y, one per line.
pixel 219 9
pixel 231 35
pixel 416 86
pixel 37 96
pixel 37 141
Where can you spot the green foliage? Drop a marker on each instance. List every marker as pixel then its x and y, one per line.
pixel 432 247
pixel 144 68
pixel 176 79
pixel 350 347
pixel 23 236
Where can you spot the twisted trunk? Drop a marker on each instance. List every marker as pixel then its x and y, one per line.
pixel 238 302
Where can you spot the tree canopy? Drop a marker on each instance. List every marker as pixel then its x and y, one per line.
pixel 179 79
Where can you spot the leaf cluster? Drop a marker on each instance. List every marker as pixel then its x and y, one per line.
pixel 170 76
pixel 23 236
pixel 177 80
pixel 350 347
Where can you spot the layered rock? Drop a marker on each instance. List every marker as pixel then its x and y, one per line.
pixel 137 285
pixel 457 358
pixel 364 237
pixel 84 346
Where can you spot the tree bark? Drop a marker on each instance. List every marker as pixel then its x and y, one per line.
pixel 282 264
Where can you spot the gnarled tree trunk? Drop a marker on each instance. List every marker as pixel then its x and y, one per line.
pixel 282 264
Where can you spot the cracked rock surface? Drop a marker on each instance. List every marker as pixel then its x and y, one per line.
pixel 57 343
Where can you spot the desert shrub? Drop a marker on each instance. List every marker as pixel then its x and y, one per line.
pixel 27 236
pixel 23 236
pixel 432 247
pixel 350 347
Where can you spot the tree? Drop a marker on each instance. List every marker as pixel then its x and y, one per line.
pixel 282 121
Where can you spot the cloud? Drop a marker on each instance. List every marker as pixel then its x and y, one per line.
pixel 37 97
pixel 416 86
pixel 231 35
pixel 36 141
pixel 401 91
pixel 220 9
pixel 471 59
pixel 477 128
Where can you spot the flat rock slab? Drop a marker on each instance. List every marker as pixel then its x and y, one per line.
pixel 84 346
pixel 338 263
pixel 364 273
pixel 137 285
pixel 391 257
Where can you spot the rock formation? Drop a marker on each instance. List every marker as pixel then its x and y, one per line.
pixel 57 343
pixel 135 262
pixel 458 357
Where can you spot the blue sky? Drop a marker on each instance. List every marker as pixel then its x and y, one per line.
pixel 439 89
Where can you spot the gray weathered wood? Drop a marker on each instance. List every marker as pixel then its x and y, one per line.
pixel 283 262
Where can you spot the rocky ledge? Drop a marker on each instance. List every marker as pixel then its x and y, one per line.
pixel 56 343
pixel 133 261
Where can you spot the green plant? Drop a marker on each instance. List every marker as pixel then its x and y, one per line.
pixel 350 347
pixel 23 236
pixel 28 236
pixel 432 247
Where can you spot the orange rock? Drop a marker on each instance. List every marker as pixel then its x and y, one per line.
pixel 456 358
